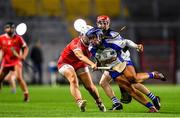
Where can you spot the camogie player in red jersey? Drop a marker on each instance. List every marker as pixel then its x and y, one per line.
pixel 14 51
pixel 73 65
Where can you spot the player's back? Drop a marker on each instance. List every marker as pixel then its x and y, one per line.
pixel 68 56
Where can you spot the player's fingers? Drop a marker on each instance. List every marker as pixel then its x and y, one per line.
pixel 141 48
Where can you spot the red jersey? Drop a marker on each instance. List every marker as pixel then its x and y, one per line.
pixel 6 45
pixel 68 56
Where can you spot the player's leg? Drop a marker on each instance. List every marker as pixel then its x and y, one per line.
pixel 69 73
pixel 104 82
pixel 11 78
pixel 125 97
pixel 123 82
pixel 133 77
pixel 148 93
pixel 86 79
pixel 3 73
pixel 22 83
pixel 143 76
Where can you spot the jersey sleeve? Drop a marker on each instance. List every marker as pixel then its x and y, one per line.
pixel 22 42
pixel 130 43
pixel 121 42
pixel 116 35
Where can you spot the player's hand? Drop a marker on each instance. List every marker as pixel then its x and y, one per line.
pixel 94 66
pixel 21 58
pixel 140 48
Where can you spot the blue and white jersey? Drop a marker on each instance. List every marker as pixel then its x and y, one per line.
pixel 107 57
pixel 117 44
pixel 112 49
pixel 125 54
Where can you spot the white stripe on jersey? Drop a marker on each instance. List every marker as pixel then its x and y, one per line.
pixel 118 42
pixel 114 34
pixel 76 49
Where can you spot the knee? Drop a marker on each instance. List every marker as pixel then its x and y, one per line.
pixel 73 80
pixel 19 79
pixel 103 83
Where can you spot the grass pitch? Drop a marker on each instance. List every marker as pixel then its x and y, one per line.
pixel 57 101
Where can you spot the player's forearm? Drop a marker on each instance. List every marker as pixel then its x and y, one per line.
pixel 130 43
pixel 1 55
pixel 86 60
pixel 79 54
pixel 25 52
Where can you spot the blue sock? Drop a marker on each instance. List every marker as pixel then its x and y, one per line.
pixel 149 105
pixel 151 75
pixel 151 96
pixel 115 100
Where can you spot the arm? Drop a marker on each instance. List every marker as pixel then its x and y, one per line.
pixel 24 49
pixel 85 59
pixel 1 55
pixel 24 53
pixel 131 44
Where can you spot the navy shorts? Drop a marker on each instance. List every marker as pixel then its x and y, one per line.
pixel 115 74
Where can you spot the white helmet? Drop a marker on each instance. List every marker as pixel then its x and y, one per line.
pixel 81 26
pixel 85 29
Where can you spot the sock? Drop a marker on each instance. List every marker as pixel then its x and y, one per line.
pixel 151 75
pixel 98 101
pixel 149 105
pixel 115 100
pixel 151 96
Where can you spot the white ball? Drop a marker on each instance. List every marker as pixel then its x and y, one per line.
pixel 21 29
pixel 79 24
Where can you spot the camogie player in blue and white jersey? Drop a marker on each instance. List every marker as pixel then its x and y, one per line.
pixel 103 22
pixel 109 52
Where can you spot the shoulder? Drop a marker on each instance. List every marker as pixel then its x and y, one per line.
pixel 2 35
pixel 113 33
pixel 75 44
pixel 75 40
pixel 18 37
pixel 116 35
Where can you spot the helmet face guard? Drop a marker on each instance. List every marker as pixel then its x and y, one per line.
pixel 94 35
pixel 103 22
